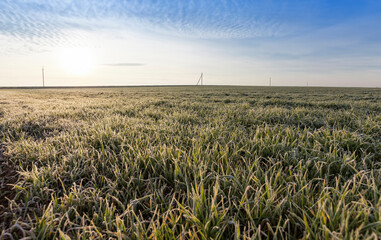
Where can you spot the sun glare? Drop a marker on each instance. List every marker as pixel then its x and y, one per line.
pixel 77 61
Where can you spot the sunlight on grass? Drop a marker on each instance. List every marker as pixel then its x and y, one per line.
pixel 194 163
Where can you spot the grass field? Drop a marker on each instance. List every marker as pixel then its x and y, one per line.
pixel 191 163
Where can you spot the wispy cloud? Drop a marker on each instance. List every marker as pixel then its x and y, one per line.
pixel 36 26
pixel 38 20
pixel 46 21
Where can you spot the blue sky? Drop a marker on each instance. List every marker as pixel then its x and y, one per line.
pixel 145 42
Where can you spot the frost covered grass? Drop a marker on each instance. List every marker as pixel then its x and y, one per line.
pixel 193 163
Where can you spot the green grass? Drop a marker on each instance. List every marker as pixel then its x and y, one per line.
pixel 193 163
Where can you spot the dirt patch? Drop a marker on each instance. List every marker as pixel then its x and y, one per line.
pixel 8 176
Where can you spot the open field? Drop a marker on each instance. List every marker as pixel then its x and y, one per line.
pixel 191 163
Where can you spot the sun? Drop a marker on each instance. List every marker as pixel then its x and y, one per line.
pixel 77 61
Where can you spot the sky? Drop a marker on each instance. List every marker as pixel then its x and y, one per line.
pixel 170 42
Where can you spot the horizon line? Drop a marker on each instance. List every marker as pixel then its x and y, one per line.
pixel 183 85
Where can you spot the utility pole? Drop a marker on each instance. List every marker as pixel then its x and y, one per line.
pixel 270 82
pixel 43 77
pixel 200 80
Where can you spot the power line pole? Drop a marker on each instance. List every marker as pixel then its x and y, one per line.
pixel 43 77
pixel 201 80
pixel 270 82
